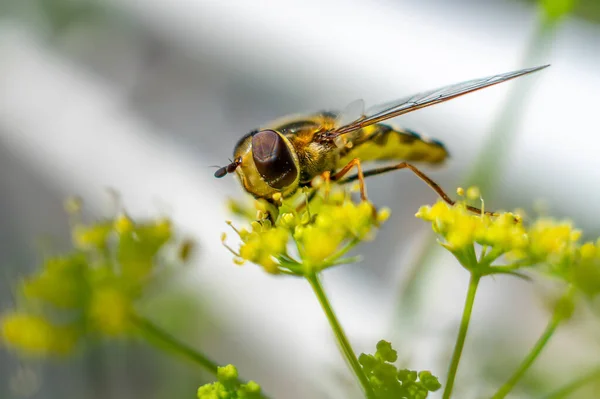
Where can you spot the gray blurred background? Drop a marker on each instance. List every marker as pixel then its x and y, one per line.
pixel 143 97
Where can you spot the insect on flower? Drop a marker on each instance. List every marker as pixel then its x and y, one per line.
pixel 288 153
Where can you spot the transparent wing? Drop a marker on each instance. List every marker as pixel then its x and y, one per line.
pixel 392 109
pixel 353 112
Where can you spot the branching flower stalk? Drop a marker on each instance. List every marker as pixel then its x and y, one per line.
pixel 91 292
pixel 340 335
pixel 562 311
pixel 302 239
pixel 507 246
pixel 313 231
pixel 156 335
pixel 570 388
pixel 462 334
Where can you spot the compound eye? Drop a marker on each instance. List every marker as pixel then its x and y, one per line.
pixel 273 159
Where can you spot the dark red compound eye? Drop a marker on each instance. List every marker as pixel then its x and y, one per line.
pixel 273 159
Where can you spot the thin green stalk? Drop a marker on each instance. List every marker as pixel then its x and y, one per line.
pixel 571 387
pixel 491 161
pixel 531 357
pixel 160 337
pixel 462 334
pixel 347 350
pixel 557 317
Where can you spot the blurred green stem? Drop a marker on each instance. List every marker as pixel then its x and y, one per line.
pixel 158 336
pixel 491 161
pixel 557 317
pixel 571 387
pixel 462 334
pixel 347 350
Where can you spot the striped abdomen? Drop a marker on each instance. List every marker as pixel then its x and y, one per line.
pixel 381 142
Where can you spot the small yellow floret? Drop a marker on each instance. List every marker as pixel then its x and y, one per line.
pixel 588 251
pixel 227 373
pixel 94 235
pixel 35 336
pixel 277 197
pixel 383 215
pixel 262 244
pixel 288 220
pixel 551 239
pixel 123 224
pixel 473 193
pixel 109 311
pixel 73 205
pixel 163 229
pixel 320 243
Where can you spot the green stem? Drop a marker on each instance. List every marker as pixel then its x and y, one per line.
pixel 158 336
pixel 347 350
pixel 491 161
pixel 462 334
pixel 351 244
pixel 155 334
pixel 557 317
pixel 531 357
pixel 571 387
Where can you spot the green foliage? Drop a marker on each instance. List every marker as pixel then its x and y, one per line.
pixel 229 387
pixel 388 382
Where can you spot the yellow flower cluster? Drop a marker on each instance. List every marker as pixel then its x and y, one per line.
pixel 553 242
pixel 461 228
pixel 261 242
pixel 552 246
pixel 90 291
pixel 35 336
pixel 584 272
pixel 307 235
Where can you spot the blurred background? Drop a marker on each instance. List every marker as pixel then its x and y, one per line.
pixel 141 98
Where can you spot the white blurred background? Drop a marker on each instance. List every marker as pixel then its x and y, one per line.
pixel 143 97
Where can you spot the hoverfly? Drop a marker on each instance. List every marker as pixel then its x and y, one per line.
pixel 286 154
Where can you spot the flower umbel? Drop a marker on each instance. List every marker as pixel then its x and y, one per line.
pixel 547 243
pixel 509 246
pixel 302 236
pixel 35 336
pixel 91 291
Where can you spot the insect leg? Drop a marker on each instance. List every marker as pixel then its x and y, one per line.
pixel 309 198
pixel 420 175
pixel 327 179
pixel 360 176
